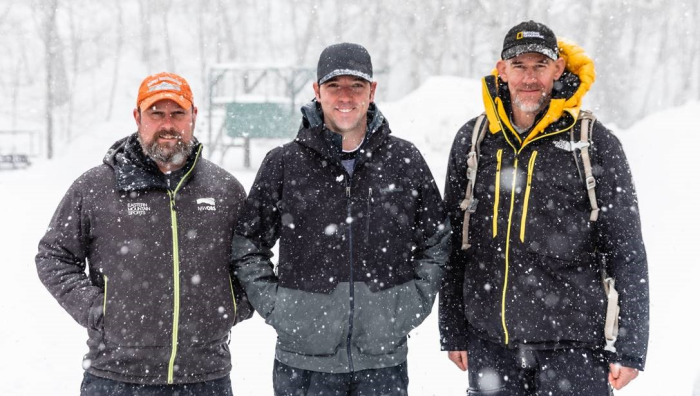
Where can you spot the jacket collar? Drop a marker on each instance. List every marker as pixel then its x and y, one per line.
pixel 314 135
pixel 564 107
pixel 136 172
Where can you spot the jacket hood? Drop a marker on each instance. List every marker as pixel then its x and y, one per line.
pixel 136 171
pixel 564 106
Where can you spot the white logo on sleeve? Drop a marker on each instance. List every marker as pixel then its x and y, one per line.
pixel 206 204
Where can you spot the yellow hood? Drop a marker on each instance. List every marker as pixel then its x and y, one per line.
pixel 577 62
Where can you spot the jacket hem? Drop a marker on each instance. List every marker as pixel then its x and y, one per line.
pixel 339 363
pixel 158 380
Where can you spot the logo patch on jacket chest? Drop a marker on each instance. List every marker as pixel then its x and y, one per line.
pixel 206 204
pixel 563 144
pixel 137 208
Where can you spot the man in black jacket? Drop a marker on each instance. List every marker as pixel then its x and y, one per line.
pixel 523 304
pixel 362 238
pixel 154 225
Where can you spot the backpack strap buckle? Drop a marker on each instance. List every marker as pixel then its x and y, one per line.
pixel 590 183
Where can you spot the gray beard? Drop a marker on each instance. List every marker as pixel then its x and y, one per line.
pixel 530 107
pixel 165 155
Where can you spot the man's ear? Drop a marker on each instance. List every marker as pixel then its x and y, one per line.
pixel 317 91
pixel 501 67
pixel 560 65
pixel 372 89
pixel 137 117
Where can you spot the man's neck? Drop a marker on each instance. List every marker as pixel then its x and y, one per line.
pixel 353 139
pixel 168 167
pixel 522 119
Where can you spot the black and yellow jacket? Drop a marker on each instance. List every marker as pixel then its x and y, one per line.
pixel 532 276
pixel 159 297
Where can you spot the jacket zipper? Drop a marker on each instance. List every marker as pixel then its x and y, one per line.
pixel 104 300
pixel 505 278
pixel 176 267
pixel 496 200
pixel 348 193
pixel 233 297
pixel 369 212
pixel 176 287
pixel 530 169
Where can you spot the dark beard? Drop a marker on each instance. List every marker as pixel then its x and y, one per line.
pixel 176 155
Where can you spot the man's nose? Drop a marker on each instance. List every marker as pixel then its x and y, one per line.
pixel 345 93
pixel 530 75
pixel 167 121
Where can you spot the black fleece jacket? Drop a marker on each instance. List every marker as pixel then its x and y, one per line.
pixel 159 297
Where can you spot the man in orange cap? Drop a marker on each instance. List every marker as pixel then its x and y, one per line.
pixel 166 97
pixel 153 224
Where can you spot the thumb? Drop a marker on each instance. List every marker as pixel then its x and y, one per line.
pixel 615 370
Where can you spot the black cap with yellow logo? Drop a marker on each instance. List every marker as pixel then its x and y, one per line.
pixel 530 36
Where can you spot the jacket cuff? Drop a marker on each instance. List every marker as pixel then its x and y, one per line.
pixel 456 343
pixel 628 361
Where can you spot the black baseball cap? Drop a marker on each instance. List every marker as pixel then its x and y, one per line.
pixel 344 59
pixel 530 36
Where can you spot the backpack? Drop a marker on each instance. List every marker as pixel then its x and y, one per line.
pixel 469 203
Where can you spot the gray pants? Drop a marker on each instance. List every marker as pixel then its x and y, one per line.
pixel 389 381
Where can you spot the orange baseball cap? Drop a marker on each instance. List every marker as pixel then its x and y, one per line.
pixel 164 86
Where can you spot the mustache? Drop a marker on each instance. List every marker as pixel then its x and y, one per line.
pixel 168 132
pixel 533 86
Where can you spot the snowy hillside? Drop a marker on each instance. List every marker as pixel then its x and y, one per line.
pixel 42 347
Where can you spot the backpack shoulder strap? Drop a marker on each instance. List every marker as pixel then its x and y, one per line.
pixel 468 204
pixel 587 121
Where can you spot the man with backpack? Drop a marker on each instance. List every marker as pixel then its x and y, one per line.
pixel 543 208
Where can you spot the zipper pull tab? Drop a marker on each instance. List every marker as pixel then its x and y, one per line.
pixel 347 191
pixel 173 204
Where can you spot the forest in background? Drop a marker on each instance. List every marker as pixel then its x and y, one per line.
pixel 66 63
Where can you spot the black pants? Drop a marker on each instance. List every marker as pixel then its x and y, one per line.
pixel 498 371
pixel 389 381
pixel 98 386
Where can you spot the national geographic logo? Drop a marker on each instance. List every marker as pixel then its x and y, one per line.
pixel 526 34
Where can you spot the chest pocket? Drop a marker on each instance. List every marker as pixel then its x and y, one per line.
pixel 390 207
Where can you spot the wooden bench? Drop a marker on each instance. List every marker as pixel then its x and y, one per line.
pixel 14 161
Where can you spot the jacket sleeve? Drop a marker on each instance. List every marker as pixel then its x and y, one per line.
pixel 244 310
pixel 61 260
pixel 620 243
pixel 452 319
pixel 433 231
pixel 257 232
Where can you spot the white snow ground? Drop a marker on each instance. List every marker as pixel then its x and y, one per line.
pixel 41 347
